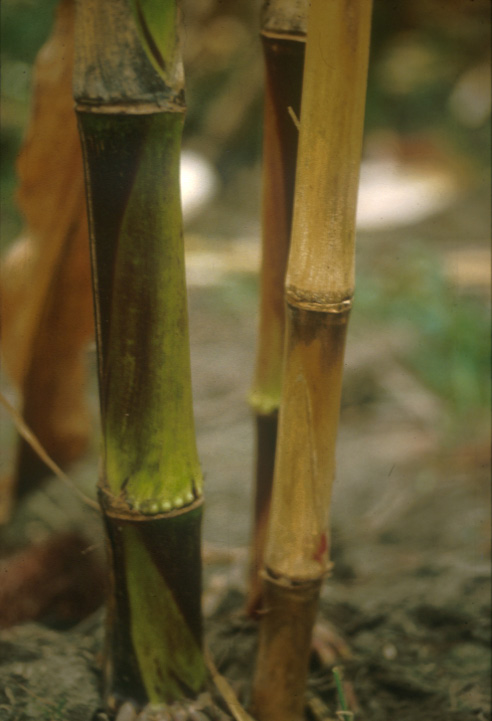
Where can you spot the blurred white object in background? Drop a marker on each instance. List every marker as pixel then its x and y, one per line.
pixel 471 99
pixel 199 183
pixel 394 193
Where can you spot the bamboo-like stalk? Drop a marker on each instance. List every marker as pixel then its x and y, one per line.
pixel 283 38
pixel 319 290
pixel 130 106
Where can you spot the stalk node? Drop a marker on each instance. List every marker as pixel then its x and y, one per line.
pixel 285 633
pixel 141 108
pixel 300 586
pixel 118 507
pixel 264 404
pixel 299 37
pixel 319 303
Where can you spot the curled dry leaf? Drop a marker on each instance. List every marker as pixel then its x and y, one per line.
pixel 45 279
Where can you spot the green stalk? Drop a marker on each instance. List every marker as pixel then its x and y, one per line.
pixel 283 39
pixel 130 108
pixel 319 291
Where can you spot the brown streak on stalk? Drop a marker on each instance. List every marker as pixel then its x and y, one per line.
pixel 284 61
pixel 113 186
pixel 307 437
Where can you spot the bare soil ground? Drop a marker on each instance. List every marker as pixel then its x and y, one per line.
pixel 410 592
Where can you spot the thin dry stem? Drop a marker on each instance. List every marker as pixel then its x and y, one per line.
pixel 319 290
pixel 226 691
pixel 284 58
pixel 330 141
pixel 31 439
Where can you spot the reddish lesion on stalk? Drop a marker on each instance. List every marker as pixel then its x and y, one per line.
pixel 296 555
pixel 319 289
pixel 297 546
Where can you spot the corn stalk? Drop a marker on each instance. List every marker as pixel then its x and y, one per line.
pixel 319 291
pixel 283 39
pixel 128 86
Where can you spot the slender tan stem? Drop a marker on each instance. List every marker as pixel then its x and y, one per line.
pixel 283 37
pixel 319 290
pixel 297 546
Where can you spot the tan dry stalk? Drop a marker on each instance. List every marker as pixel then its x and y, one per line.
pixel 319 290
pixel 283 38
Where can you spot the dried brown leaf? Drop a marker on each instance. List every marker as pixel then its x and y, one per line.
pixel 45 278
